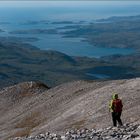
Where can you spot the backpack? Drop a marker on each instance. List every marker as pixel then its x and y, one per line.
pixel 117 105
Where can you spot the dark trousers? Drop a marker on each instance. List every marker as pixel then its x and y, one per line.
pixel 116 117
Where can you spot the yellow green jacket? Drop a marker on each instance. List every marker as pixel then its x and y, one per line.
pixel 115 104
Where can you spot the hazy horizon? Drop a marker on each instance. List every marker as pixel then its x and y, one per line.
pixel 65 10
pixel 58 3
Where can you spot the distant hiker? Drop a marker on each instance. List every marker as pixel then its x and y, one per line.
pixel 115 107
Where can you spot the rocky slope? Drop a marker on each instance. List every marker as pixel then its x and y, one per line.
pixel 31 108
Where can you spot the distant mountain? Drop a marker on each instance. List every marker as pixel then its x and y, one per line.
pixel 1 30
pixel 124 60
pixel 31 108
pixel 35 31
pixel 114 32
pixel 23 62
pixel 120 18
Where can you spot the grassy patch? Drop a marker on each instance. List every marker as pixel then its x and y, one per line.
pixel 78 124
pixel 21 133
pixel 28 122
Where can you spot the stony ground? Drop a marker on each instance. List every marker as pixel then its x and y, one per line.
pixel 127 132
pixel 31 108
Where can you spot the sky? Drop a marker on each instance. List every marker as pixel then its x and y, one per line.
pixel 57 3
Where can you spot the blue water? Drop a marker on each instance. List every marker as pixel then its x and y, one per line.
pixel 19 13
pixel 98 76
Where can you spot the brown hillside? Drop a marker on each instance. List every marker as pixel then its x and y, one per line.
pixel 27 109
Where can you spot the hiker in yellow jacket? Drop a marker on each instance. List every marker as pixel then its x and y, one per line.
pixel 115 107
